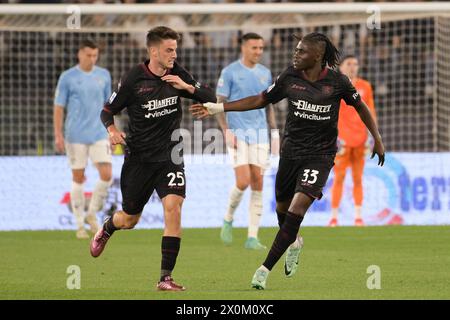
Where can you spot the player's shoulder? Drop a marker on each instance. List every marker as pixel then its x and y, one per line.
pixel 133 73
pixel 263 68
pixel 288 72
pixel 70 73
pixel 232 67
pixel 338 76
pixel 363 82
pixel 180 71
pixel 102 71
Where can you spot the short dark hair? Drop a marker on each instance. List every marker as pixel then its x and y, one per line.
pixel 88 43
pixel 158 34
pixel 348 56
pixel 250 36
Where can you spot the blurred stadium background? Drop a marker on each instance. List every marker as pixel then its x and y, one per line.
pixel 405 54
pixel 406 58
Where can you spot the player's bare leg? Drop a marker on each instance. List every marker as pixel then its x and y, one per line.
pixel 256 208
pixel 242 175
pixel 338 186
pixel 357 165
pixel 99 195
pixel 170 244
pixel 284 238
pixel 77 201
pixel 119 220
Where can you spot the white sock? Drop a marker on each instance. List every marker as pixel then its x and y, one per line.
pixel 77 201
pixel 255 213
pixel 297 243
pixel 334 213
pixel 358 211
pixel 235 198
pixel 98 196
pixel 263 268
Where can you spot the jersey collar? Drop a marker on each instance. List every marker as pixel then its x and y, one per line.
pixel 322 74
pixel 147 70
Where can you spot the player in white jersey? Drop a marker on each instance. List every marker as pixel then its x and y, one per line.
pixel 246 134
pixel 81 93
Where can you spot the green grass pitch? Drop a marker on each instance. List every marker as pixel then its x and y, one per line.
pixel 414 264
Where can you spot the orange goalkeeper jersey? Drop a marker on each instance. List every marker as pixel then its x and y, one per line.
pixel 351 128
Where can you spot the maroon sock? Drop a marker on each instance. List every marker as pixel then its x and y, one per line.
pixel 284 238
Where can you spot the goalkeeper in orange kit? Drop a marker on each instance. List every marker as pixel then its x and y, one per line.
pixel 353 143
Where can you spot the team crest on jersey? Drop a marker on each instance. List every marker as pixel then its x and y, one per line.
pixel 327 90
pixel 145 89
pixel 263 80
pixel 297 87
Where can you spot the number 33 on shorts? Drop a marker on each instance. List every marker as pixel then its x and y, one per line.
pixel 310 176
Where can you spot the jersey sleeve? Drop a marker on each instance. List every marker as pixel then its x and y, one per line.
pixel 118 100
pixel 277 91
pixel 202 92
pixel 224 84
pixel 349 93
pixel 62 91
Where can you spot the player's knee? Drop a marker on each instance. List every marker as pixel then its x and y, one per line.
pixel 242 184
pixel 298 209
pixel 106 176
pixel 242 181
pixel 357 182
pixel 339 178
pixel 282 207
pixel 173 211
pixel 257 184
pixel 78 178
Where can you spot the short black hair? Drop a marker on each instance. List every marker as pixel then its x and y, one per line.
pixel 348 56
pixel 250 36
pixel 88 43
pixel 331 54
pixel 158 34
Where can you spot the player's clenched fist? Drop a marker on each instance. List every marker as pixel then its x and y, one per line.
pixel 116 136
pixel 206 109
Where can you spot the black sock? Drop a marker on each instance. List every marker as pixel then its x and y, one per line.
pixel 284 238
pixel 109 226
pixel 281 217
pixel 170 246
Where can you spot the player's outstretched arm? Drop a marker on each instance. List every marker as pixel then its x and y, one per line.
pixel 206 109
pixel 366 117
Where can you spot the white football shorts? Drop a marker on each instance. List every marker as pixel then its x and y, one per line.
pixel 255 154
pixel 98 152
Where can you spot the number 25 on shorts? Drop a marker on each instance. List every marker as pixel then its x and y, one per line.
pixel 310 176
pixel 173 176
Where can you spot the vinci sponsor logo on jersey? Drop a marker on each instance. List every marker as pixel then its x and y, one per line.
pixel 156 104
pixel 310 107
